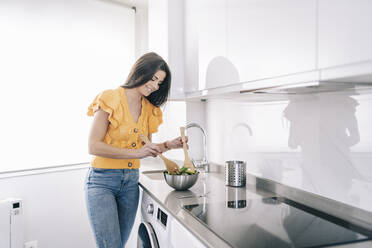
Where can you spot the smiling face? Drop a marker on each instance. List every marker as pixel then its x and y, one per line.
pixel 151 77
pixel 152 85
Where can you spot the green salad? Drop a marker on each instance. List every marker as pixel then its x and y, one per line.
pixel 184 171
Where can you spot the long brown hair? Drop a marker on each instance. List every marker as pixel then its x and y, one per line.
pixel 143 71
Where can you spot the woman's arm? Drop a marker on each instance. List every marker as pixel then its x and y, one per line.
pixel 169 144
pixel 97 147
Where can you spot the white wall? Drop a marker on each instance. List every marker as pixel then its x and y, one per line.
pixel 321 143
pixel 54 208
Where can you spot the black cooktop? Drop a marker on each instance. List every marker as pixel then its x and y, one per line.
pixel 274 222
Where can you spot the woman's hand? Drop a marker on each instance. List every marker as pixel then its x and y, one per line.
pixel 147 150
pixel 176 143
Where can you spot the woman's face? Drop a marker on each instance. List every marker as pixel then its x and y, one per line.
pixel 153 84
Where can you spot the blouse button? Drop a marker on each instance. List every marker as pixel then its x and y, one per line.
pixel 135 130
pixel 130 164
pixel 133 144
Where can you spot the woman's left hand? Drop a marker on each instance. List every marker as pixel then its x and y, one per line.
pixel 176 143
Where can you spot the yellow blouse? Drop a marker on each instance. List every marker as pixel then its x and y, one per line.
pixel 122 131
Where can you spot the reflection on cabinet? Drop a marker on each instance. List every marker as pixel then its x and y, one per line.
pixel 345 32
pixel 269 38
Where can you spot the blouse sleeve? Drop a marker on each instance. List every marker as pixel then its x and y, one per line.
pixel 156 118
pixel 109 103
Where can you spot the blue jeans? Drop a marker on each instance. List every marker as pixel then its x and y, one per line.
pixel 112 201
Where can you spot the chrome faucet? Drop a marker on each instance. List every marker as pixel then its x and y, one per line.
pixel 203 163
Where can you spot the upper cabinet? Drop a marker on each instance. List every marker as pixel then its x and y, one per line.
pixel 270 38
pixel 212 44
pixel 229 42
pixel 345 32
pixel 244 45
pixel 191 13
pixel 205 44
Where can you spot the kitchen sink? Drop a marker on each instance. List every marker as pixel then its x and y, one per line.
pixel 154 174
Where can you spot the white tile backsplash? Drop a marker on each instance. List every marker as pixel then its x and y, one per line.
pixel 321 142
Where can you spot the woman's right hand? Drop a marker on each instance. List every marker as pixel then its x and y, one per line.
pixel 147 150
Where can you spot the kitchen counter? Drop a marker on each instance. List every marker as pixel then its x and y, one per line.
pixel 212 184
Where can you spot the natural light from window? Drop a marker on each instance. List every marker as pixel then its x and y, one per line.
pixel 55 57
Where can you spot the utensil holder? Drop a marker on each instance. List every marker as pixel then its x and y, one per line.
pixel 235 173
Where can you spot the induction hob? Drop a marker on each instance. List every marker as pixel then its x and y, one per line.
pixel 274 222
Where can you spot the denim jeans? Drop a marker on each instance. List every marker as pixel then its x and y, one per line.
pixel 112 201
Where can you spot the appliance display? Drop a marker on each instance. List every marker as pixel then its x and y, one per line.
pixel 275 222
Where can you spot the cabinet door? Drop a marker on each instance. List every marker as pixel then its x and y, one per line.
pixel 191 45
pixel 175 47
pixel 211 42
pixel 180 237
pixel 269 38
pixel 345 32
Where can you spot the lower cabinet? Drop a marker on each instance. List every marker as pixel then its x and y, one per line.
pixel 180 237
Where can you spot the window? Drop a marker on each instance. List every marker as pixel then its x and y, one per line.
pixel 55 57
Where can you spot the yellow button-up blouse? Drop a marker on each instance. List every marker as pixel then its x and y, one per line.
pixel 122 131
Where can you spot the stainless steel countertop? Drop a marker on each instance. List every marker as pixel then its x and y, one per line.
pixel 256 188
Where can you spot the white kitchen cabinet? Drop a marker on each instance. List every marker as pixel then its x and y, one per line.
pixel 345 32
pixel 212 44
pixel 207 65
pixel 241 45
pixel 191 15
pixel 166 37
pixel 270 38
pixel 180 237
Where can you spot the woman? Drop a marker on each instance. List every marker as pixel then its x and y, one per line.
pixel 120 116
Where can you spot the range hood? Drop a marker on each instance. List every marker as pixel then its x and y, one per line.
pixel 313 87
pixel 351 79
